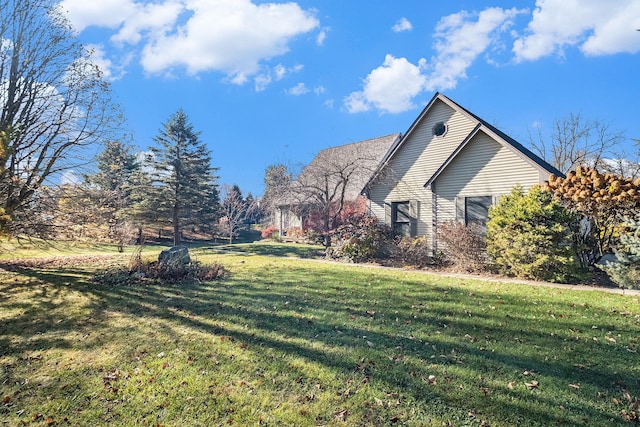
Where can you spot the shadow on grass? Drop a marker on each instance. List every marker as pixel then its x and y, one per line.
pixel 291 250
pixel 387 332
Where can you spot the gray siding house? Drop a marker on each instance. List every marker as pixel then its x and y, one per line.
pixel 449 165
pixel 336 173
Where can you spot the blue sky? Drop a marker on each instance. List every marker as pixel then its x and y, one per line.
pixel 276 82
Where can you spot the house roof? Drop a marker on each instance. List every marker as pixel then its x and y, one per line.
pixel 500 138
pixel 481 125
pixel 515 144
pixel 359 159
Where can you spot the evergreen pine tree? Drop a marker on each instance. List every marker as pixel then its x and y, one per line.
pixel 143 199
pixel 626 271
pixel 103 196
pixel 115 166
pixel 182 172
pixel 277 180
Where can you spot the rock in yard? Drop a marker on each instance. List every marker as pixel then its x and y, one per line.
pixel 178 256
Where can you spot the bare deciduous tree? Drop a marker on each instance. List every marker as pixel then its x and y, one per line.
pixel 334 177
pixel 234 210
pixel 575 141
pixel 53 100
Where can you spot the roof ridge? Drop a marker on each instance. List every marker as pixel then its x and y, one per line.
pixel 362 141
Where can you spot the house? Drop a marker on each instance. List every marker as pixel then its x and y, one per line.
pixel 449 165
pixel 335 177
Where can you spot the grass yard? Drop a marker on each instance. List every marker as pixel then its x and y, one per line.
pixel 283 341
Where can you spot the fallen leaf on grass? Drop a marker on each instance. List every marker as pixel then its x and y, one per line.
pixel 6 399
pixel 532 385
pixel 576 386
pixel 341 415
pixel 511 385
pixel 110 376
pixel 610 339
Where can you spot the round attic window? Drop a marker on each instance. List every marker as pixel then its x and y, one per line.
pixel 439 129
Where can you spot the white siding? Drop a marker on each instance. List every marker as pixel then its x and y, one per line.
pixel 285 219
pixel 417 159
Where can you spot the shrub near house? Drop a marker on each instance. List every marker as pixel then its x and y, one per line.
pixel 626 271
pixel 360 238
pixel 529 236
pixel 601 201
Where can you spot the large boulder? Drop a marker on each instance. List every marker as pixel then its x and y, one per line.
pixel 175 257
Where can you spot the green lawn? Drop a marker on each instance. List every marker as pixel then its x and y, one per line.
pixel 282 341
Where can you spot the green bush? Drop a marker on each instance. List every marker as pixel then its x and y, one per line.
pixel 529 236
pixel 626 272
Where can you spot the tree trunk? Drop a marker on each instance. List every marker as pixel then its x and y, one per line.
pixel 327 233
pixel 176 227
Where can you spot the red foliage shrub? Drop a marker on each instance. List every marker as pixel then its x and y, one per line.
pixel 268 232
pixel 315 218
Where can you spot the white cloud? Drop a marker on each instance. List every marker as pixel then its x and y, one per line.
pixel 69 177
pixel 461 38
pixel 261 82
pixel 277 73
pixel 299 89
pixel 403 24
pixel 5 45
pixel 389 88
pixel 319 90
pixel 322 36
pixel 230 36
pixel 595 26
pixel 110 71
pixel 104 13
pixel 153 20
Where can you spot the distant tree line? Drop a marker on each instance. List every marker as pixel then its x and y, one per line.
pixel 170 189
